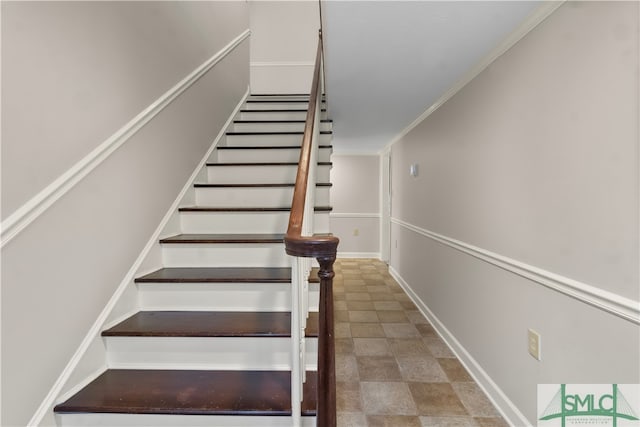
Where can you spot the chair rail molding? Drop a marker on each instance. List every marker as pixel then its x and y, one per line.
pixel 618 305
pixel 37 205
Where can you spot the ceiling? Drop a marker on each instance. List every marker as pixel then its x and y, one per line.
pixel 387 62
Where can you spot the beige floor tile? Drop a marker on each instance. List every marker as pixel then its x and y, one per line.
pixel 347 368
pixel 416 317
pixel 358 296
pixel 371 347
pixel 474 400
pixel 360 305
pixel 400 330
pixel 408 305
pixel 387 398
pixel 348 397
pixel 363 316
pixel 393 421
pixel 344 345
pixel 454 370
pixel 340 305
pixel 387 305
pixel 378 368
pixel 392 316
pixel 341 316
pixel 367 330
pixel 408 347
pixel 342 330
pixel 421 369
pixel 491 422
pixel 377 288
pixel 436 399
pixel 437 347
pixel 382 296
pixel 448 422
pixel 351 419
pixel 426 330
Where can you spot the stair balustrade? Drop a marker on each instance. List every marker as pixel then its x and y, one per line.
pixel 303 245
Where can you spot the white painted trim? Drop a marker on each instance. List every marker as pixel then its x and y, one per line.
pixel 282 64
pixel 618 305
pixel 354 215
pixel 505 406
pixel 375 255
pixel 535 19
pixel 98 325
pixel 27 213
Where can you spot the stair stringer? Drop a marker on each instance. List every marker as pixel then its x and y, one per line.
pixel 90 359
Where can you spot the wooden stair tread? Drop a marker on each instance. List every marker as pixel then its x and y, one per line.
pixel 313 275
pixel 266 324
pixel 288 110
pixel 322 132
pixel 191 392
pixel 279 121
pixel 224 238
pixel 261 185
pixel 306 101
pixel 218 275
pixel 265 164
pixel 266 147
pixel 246 209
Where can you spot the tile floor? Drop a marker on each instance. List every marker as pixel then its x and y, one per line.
pixel 392 369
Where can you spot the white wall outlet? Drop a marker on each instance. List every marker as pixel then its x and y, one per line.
pixel 413 170
pixel 534 344
pixel 356 232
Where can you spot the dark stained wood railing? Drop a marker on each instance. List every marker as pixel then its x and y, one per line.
pixel 324 249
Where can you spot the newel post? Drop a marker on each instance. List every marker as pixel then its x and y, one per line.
pixel 326 410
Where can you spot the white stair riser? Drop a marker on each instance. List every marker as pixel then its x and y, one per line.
pixel 152 420
pixel 225 255
pixel 248 174
pixel 280 97
pixel 267 155
pixel 279 105
pixel 244 222
pixel 220 296
pixel 207 353
pixel 277 115
pixel 271 139
pixel 253 196
pixel 275 127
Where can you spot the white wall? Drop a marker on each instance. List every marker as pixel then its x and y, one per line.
pixel 284 41
pixel 73 74
pixel 356 208
pixel 532 170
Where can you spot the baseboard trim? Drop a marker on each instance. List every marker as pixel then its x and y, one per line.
pixel 375 255
pixel 53 395
pixel 535 19
pixel 507 409
pixel 610 302
pixel 31 210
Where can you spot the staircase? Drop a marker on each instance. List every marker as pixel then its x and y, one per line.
pixel 211 344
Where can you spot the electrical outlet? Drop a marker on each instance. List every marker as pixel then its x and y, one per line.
pixel 534 344
pixel 356 232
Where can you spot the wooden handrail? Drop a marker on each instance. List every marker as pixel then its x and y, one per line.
pixel 324 249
